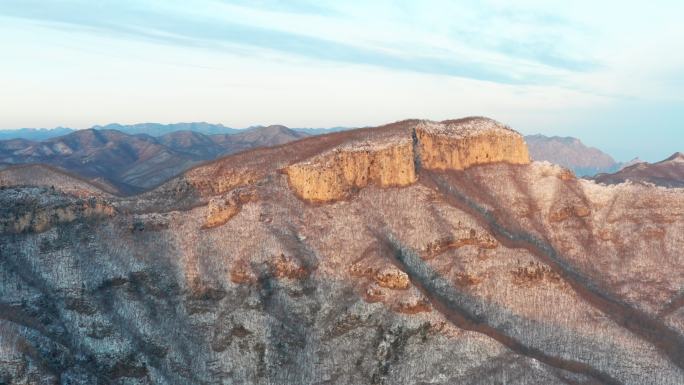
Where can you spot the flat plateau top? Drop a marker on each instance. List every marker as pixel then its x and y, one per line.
pixel 467 127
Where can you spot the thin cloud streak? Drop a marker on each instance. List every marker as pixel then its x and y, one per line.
pixel 148 23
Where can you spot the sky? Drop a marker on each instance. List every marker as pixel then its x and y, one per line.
pixel 608 72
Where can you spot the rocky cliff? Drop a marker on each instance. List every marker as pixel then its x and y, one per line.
pixel 476 268
pixel 459 144
pixel 450 145
pixel 335 175
pixel 39 209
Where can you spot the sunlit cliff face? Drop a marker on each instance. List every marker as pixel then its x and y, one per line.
pixel 452 145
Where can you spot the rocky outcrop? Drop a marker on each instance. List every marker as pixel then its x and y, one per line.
pixel 335 175
pixel 449 145
pixel 412 304
pixel 216 184
pixel 222 209
pixel 443 244
pixel 575 211
pixel 285 266
pixel 459 144
pixel 23 210
pixel 533 274
pixel 392 278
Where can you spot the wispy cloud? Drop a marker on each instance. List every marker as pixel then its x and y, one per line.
pixel 290 6
pixel 538 61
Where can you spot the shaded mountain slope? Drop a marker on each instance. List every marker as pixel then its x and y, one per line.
pixel 417 252
pixel 571 153
pixel 47 176
pixel 133 163
pixel 192 143
pixel 123 160
pixel 667 173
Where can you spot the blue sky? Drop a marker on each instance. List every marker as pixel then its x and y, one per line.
pixel 609 72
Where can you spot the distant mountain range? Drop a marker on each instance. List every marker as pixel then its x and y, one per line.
pixel 158 129
pixel 571 153
pixel 133 158
pixel 152 129
pixel 135 162
pixel 34 133
pixel 566 151
pixel 667 173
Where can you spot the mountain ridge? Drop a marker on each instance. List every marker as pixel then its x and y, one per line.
pixel 229 272
pixel 189 146
pixel 567 151
pixel 152 129
pixel 571 153
pixel 135 162
pixel 39 174
pixel 667 173
pixel 237 270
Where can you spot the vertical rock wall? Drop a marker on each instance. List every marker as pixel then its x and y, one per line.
pixel 333 176
pixel 450 145
pixel 461 144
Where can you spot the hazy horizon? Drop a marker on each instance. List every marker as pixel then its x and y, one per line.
pixel 100 126
pixel 607 73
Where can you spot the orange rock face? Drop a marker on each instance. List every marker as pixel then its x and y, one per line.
pixel 284 266
pixel 335 175
pixel 569 212
pixel 222 210
pixel 459 144
pixel 392 278
pixel 450 145
pixel 412 305
pixel 220 215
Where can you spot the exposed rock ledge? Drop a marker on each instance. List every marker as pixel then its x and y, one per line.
pixel 448 145
pixel 334 175
pixel 459 144
pixel 222 209
pixel 36 209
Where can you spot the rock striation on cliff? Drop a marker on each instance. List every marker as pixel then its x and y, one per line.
pixel 463 143
pixel 448 145
pixel 338 173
